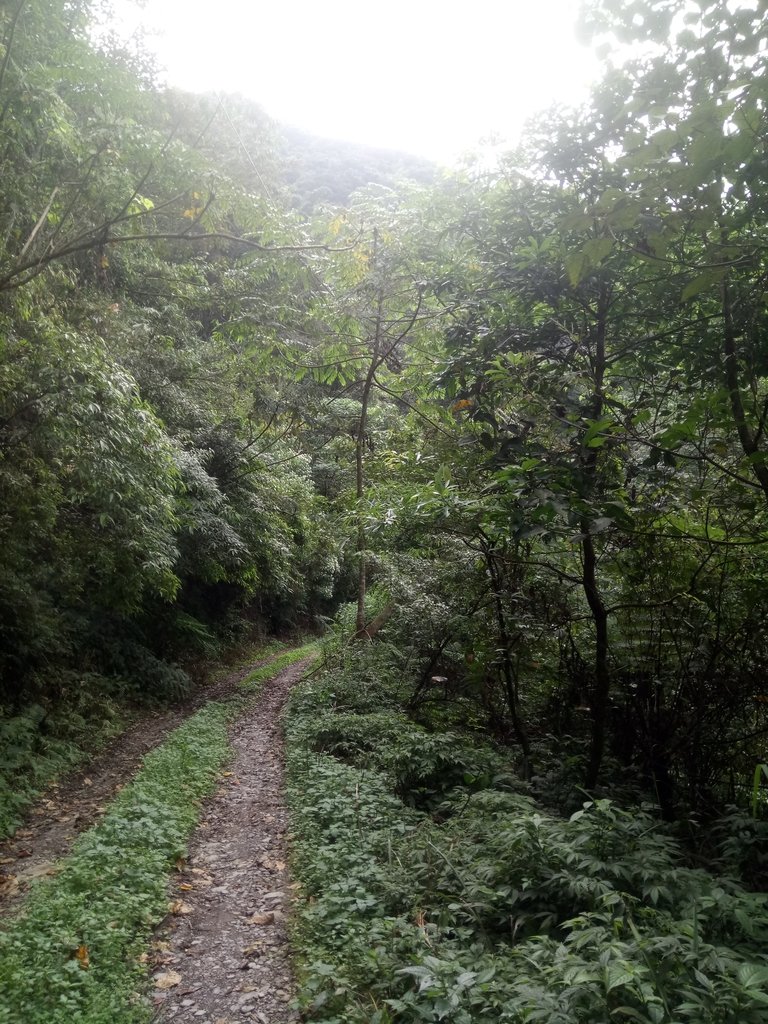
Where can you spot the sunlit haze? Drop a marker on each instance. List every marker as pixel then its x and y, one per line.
pixel 432 78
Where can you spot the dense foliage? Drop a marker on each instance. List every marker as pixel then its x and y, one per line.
pixel 434 888
pixel 156 499
pixel 512 423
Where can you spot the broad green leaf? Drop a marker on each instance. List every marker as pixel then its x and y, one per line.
pixel 701 283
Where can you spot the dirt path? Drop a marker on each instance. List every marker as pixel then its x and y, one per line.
pixel 222 958
pixel 69 808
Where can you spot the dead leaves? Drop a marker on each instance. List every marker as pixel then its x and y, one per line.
pixel 38 870
pixel 261 919
pixel 9 884
pixel 265 861
pixel 179 907
pixel 166 980
pixel 82 957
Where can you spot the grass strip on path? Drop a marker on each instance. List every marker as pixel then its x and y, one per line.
pixel 75 732
pixel 75 954
pixel 254 681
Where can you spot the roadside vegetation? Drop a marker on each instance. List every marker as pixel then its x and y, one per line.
pixel 78 950
pixel 436 886
pixel 44 743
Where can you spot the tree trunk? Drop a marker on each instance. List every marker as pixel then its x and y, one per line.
pixel 508 671
pixel 601 688
pixel 362 582
pixel 747 439
pixel 599 697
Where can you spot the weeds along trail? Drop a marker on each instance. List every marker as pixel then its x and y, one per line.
pixel 224 953
pixel 72 805
pixel 81 945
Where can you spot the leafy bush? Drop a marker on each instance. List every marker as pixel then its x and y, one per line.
pixel 111 891
pixel 38 743
pixel 420 766
pixel 493 909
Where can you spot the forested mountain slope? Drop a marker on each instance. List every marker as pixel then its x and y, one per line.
pixel 326 172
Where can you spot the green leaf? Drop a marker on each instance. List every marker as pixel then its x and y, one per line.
pixel 616 975
pixel 702 283
pixel 632 1014
pixel 579 264
pixel 593 437
pixel 752 975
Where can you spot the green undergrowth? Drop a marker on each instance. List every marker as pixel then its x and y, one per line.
pixel 435 889
pixel 246 656
pixel 254 680
pixel 110 892
pixel 45 742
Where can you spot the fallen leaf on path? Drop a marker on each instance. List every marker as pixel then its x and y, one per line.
pixel 87 781
pixel 8 885
pixel 23 853
pixel 186 887
pixel 268 918
pixel 7 860
pixel 168 979
pixel 180 907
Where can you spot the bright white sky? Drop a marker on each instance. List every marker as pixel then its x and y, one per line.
pixel 432 77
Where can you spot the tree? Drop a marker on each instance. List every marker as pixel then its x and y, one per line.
pixel 372 308
pixel 572 367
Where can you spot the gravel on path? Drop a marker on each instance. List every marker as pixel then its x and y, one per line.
pixel 222 955
pixel 71 806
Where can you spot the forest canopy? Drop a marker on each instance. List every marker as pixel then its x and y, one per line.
pixel 516 416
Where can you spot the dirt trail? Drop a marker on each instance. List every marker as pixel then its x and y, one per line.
pixel 69 808
pixel 222 958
